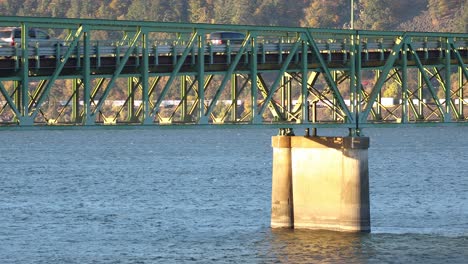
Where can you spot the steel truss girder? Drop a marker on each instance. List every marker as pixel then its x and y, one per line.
pixel 324 70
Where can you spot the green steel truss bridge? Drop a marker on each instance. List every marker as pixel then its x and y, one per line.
pixel 132 72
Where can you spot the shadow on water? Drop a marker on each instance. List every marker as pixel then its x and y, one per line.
pixel 313 246
pixel 316 246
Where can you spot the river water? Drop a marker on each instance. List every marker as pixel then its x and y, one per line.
pixel 202 195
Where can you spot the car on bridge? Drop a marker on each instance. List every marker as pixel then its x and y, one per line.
pixel 225 37
pixel 11 37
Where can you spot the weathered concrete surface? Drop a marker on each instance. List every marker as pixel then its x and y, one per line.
pixel 330 183
pixel 281 194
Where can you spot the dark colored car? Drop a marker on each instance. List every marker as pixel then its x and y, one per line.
pixel 225 37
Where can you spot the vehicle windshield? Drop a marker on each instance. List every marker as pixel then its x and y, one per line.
pixel 5 34
pixel 17 33
pixel 232 35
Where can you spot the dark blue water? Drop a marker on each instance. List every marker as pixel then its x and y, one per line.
pixel 202 195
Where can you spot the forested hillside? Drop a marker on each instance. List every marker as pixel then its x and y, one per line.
pixel 415 15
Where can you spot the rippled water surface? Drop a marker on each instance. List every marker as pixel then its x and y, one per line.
pixel 202 195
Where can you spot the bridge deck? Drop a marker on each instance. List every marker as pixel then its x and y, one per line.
pixel 77 78
pixel 214 62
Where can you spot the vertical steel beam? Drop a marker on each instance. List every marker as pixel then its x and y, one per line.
pixel 447 82
pixel 288 86
pixel 404 83
pixel 202 116
pixel 234 84
pixel 283 90
pixel 462 73
pixel 421 96
pixel 17 97
pixel 256 117
pixel 304 86
pixel 87 118
pixel 25 119
pixel 144 71
pixel 461 101
pixel 352 74
pixel 131 88
pixel 334 101
pixel 358 85
pixel 75 114
pixel 285 96
pixel 378 111
pixel 358 71
pixel 183 98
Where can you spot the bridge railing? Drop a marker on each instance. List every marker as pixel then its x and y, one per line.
pixel 282 74
pixel 158 47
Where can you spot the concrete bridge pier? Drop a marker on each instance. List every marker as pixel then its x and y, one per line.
pixel 282 200
pixel 320 183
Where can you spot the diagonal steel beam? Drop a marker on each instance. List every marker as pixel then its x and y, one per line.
pixel 9 100
pixel 328 76
pixel 175 72
pixel 386 70
pixel 426 79
pixel 282 70
pixel 78 33
pixel 262 87
pixel 229 72
pixel 117 71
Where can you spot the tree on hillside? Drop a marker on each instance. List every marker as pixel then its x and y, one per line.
pixel 277 13
pixel 82 9
pixel 326 14
pixel 118 8
pixel 156 10
pixel 448 15
pixel 462 25
pixel 230 11
pixel 224 11
pixel 443 9
pixel 421 22
pixel 138 10
pixel 197 11
pixel 376 15
pixel 406 10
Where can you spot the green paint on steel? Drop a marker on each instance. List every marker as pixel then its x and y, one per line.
pixel 383 76
pixel 9 100
pixel 328 76
pixel 426 79
pixel 175 72
pixel 296 56
pixel 229 72
pixel 117 72
pixel 281 72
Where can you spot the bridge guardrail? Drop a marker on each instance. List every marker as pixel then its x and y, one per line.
pixel 99 49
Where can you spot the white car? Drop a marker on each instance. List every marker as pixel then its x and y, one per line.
pixel 11 37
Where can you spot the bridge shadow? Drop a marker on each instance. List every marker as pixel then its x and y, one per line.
pixel 316 246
